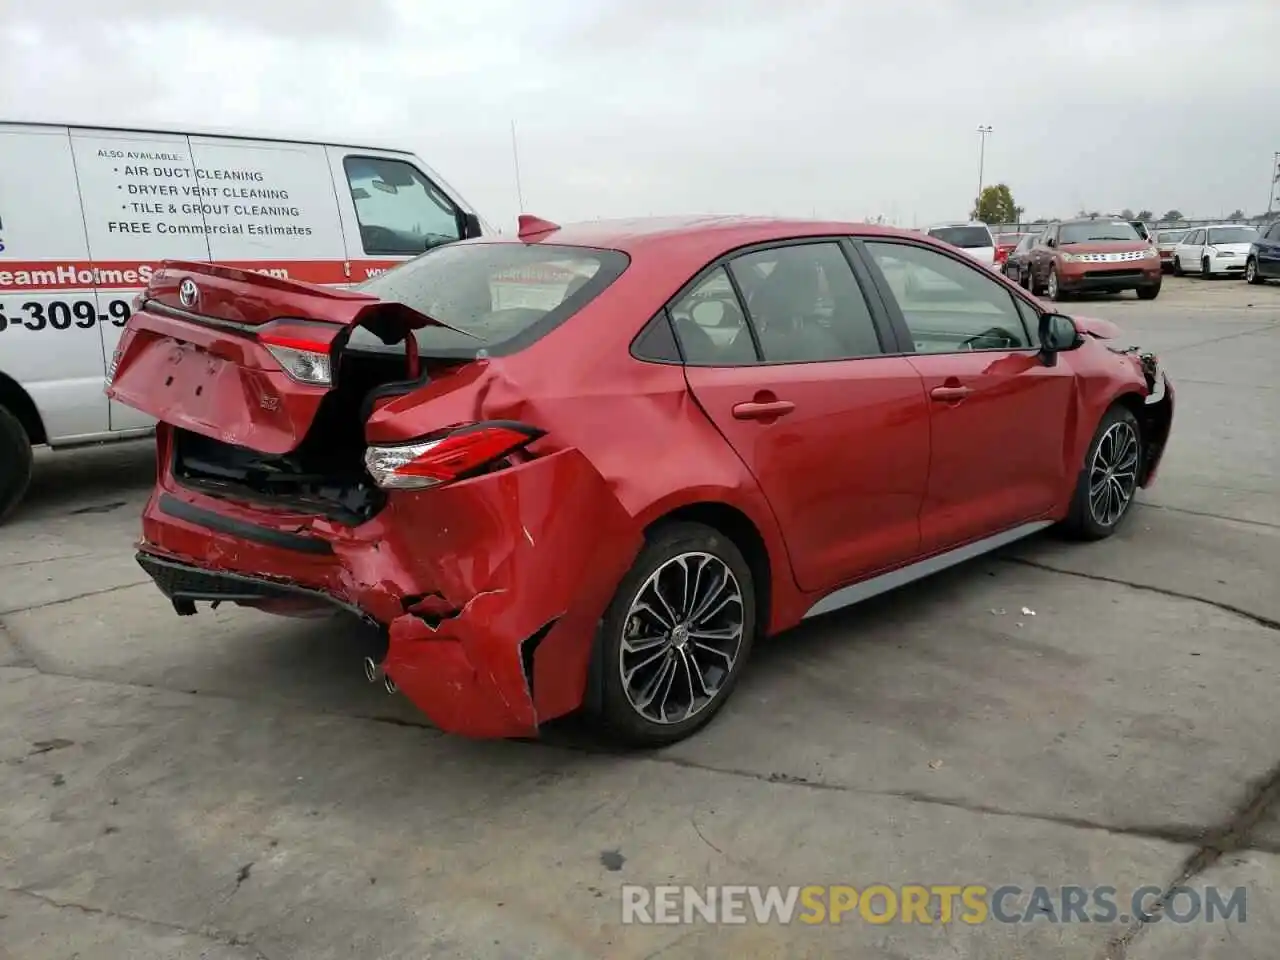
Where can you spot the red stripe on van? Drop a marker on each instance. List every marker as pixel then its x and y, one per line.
pixel 36 276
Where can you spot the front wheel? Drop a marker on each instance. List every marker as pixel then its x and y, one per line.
pixel 675 636
pixel 1177 266
pixel 1204 269
pixel 1108 478
pixel 1251 273
pixel 16 462
pixel 1149 293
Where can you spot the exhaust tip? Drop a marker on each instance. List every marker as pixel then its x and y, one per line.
pixel 371 670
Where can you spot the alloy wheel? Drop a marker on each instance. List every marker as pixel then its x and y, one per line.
pixel 681 638
pixel 1251 271
pixel 1113 474
pixel 1053 285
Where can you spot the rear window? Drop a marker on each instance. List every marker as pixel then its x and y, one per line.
pixel 1172 236
pixel 506 295
pixel 1232 235
pixel 1098 231
pixel 967 238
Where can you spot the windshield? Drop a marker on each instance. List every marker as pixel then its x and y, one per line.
pixel 1232 235
pixel 1027 242
pixel 968 238
pixel 506 295
pixel 1098 231
pixel 1171 236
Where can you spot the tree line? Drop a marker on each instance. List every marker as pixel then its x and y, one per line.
pixel 996 205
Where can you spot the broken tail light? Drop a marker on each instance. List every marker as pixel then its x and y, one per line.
pixel 447 456
pixel 305 361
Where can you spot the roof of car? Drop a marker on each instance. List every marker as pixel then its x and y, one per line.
pixel 957 223
pixel 359 143
pixel 699 233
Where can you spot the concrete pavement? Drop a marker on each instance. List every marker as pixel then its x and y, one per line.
pixel 229 786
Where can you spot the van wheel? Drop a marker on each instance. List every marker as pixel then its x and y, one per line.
pixel 1108 478
pixel 675 637
pixel 15 463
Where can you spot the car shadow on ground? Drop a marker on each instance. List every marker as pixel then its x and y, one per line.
pixel 90 480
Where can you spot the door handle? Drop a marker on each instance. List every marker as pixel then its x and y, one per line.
pixel 766 410
pixel 950 394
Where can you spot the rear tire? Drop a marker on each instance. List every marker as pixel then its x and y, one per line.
pixel 689 583
pixel 1054 287
pixel 1108 479
pixel 1149 293
pixel 16 463
pixel 1251 273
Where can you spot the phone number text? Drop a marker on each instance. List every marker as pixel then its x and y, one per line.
pixel 62 314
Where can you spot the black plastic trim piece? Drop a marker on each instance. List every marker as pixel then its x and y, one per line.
pixel 186 584
pixel 238 528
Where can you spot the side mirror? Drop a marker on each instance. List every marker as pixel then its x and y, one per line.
pixel 1050 242
pixel 1057 334
pixel 471 226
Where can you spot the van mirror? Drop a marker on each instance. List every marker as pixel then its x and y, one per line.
pixel 471 226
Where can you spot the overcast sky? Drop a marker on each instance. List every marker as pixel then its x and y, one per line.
pixel 848 109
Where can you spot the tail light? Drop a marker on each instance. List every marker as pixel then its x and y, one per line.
pixel 444 457
pixel 303 360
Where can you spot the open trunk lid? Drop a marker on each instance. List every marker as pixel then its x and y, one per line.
pixel 241 357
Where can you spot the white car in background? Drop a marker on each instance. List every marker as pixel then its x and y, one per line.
pixel 973 237
pixel 1214 250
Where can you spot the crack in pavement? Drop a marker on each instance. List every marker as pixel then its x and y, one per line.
pixel 205 933
pixel 1257 618
pixel 1232 837
pixel 30 563
pixel 1211 516
pixel 1171 833
pixel 1269 325
pixel 78 596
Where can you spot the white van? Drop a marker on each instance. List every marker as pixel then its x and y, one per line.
pixel 86 214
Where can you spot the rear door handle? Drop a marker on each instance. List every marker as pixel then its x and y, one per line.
pixel 767 410
pixel 950 394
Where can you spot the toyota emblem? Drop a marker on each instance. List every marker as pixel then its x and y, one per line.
pixel 188 292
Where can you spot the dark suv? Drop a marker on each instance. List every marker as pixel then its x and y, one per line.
pixel 1264 256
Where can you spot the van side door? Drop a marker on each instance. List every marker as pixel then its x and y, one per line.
pixel 49 310
pixel 134 186
pixel 391 209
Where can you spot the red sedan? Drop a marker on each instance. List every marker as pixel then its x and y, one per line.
pixel 586 467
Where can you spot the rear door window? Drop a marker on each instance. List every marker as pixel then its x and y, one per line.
pixel 504 296
pixel 805 304
pixel 401 213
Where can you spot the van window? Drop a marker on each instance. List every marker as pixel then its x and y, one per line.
pixel 401 213
pixel 504 296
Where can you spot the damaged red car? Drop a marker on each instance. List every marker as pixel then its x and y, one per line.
pixel 584 468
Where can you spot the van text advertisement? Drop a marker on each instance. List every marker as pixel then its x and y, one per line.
pixel 33 276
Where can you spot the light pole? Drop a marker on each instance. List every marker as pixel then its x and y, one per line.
pixel 982 155
pixel 1275 179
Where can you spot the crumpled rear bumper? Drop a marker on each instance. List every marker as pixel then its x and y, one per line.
pixel 490 589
